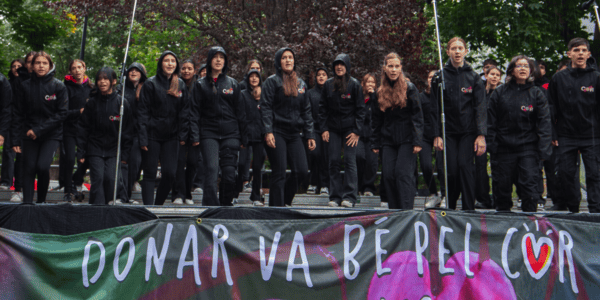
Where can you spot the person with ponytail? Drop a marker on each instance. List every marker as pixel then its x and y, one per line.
pixel 367 162
pixel 319 159
pixel 40 108
pixel 397 132
pixel 286 112
pixel 100 123
pixel 466 123
pixel 163 122
pixel 342 114
pixel 219 126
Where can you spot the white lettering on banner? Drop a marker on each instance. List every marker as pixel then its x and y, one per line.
pixel 505 246
pixel 467 255
pixel 420 247
pixel 152 255
pixel 130 257
pixel 266 269
pixel 190 238
pixel 379 252
pixel 349 255
pixel 219 242
pixel 298 245
pixel 562 248
pixel 86 259
pixel 442 251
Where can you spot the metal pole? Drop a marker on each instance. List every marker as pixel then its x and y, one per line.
pixel 596 11
pixel 82 55
pixel 122 104
pixel 442 87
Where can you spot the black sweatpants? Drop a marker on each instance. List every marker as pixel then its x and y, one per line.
pixel 78 176
pixel 258 159
pixel 186 169
pixel 461 170
pixel 130 172
pixel 482 180
pixel 37 157
pixel 8 164
pixel 318 164
pixel 366 166
pixel 166 152
pixel 569 150
pixel 102 177
pixel 224 154
pixel 67 163
pixel 18 172
pixel 552 181
pixel 342 187
pixel 522 167
pixel 244 162
pixel 199 176
pixel 398 174
pixel 426 162
pixel 288 150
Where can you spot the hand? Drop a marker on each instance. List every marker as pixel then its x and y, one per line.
pixel 81 110
pixel 1 140
pixel 123 162
pixel 438 143
pixel 312 144
pixel 17 149
pixel 325 136
pixel 376 151
pixel 352 139
pixel 270 139
pixel 555 143
pixel 82 160
pixel 194 144
pixel 182 143
pixel 145 148
pixel 480 145
pixel 31 134
pixel 417 149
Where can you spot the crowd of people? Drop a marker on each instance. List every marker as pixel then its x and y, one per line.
pixel 206 129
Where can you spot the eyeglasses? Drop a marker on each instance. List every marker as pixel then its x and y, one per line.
pixel 522 67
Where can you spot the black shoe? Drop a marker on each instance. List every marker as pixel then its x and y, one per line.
pixel 79 196
pixel 68 198
pixel 480 205
pixel 557 207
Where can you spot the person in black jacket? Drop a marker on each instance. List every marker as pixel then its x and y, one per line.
pixel 40 108
pixel 426 155
pixel 162 118
pixel 286 112
pixel 219 127
pixel 519 135
pixel 5 109
pixel 574 97
pixel 202 71
pixel 8 155
pixel 367 162
pixel 342 114
pixel 100 133
pixel 397 132
pixel 318 160
pixel 198 183
pixel 466 123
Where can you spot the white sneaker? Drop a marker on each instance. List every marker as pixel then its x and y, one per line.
pixel 311 189
pixel 16 197
pixel 333 204
pixel 384 204
pixel 347 203
pixel 324 191
pixel 368 194
pixel 198 190
pixel 433 201
pixel 178 201
pixel 189 201
pixel 247 188
pixel 258 203
pixel 118 201
pixel 134 202
pixel 137 187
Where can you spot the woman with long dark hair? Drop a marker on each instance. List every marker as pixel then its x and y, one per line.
pixel 285 113
pixel 367 162
pixel 40 109
pixel 397 132
pixel 163 114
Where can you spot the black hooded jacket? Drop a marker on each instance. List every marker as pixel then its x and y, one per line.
pixel 130 89
pixel 519 120
pixel 218 110
pixel 16 81
pixel 5 106
pixel 78 96
pixel 396 126
pixel 255 128
pixel 574 95
pixel 429 110
pixel 161 116
pixel 41 105
pixel 314 96
pixel 345 112
pixel 465 104
pixel 100 127
pixel 287 115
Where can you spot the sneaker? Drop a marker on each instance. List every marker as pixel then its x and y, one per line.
pixel 189 201
pixel 247 188
pixel 137 187
pixel 443 203
pixel 311 189
pixel 384 204
pixel 368 194
pixel 324 191
pixel 79 196
pixel 4 187
pixel 178 201
pixel 118 201
pixel 57 188
pixel 68 198
pixel 540 206
pixel 333 204
pixel 16 197
pixel 134 202
pixel 519 203
pixel 347 203
pixel 432 202
pixel 198 190
pixel 258 203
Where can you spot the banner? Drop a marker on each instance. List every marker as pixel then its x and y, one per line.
pixel 412 255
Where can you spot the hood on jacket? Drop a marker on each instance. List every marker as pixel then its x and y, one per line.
pixel 211 54
pixel 23 72
pixel 159 70
pixel 142 70
pixel 49 76
pixel 247 78
pixel 202 66
pixel 590 66
pixel 278 56
pixel 465 67
pixel 343 58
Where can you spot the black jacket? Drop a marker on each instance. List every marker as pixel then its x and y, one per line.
pixel 162 117
pixel 428 106
pixel 255 129
pixel 78 96
pixel 100 127
pixel 519 120
pixel 5 107
pixel 218 110
pixel 41 104
pixel 130 94
pixel 345 112
pixel 573 93
pixel 314 96
pixel 464 101
pixel 398 126
pixel 283 114
pixel 367 131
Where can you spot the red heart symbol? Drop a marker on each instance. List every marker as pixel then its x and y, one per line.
pixel 537 254
pixel 537 263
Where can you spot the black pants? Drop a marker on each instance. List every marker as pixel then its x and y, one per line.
pixel 482 180
pixel 224 154
pixel 398 174
pixel 461 170
pixel 439 167
pixel 130 172
pixel 186 169
pixel 8 164
pixel 78 176
pixel 167 152
pixel 258 159
pixel 18 172
pixel 426 162
pixel 568 171
pixel 318 164
pixel 342 187
pixel 67 163
pixel 37 157
pixel 244 163
pixel 552 180
pixel 522 167
pixel 366 166
pixel 102 177
pixel 199 176
pixel 288 150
